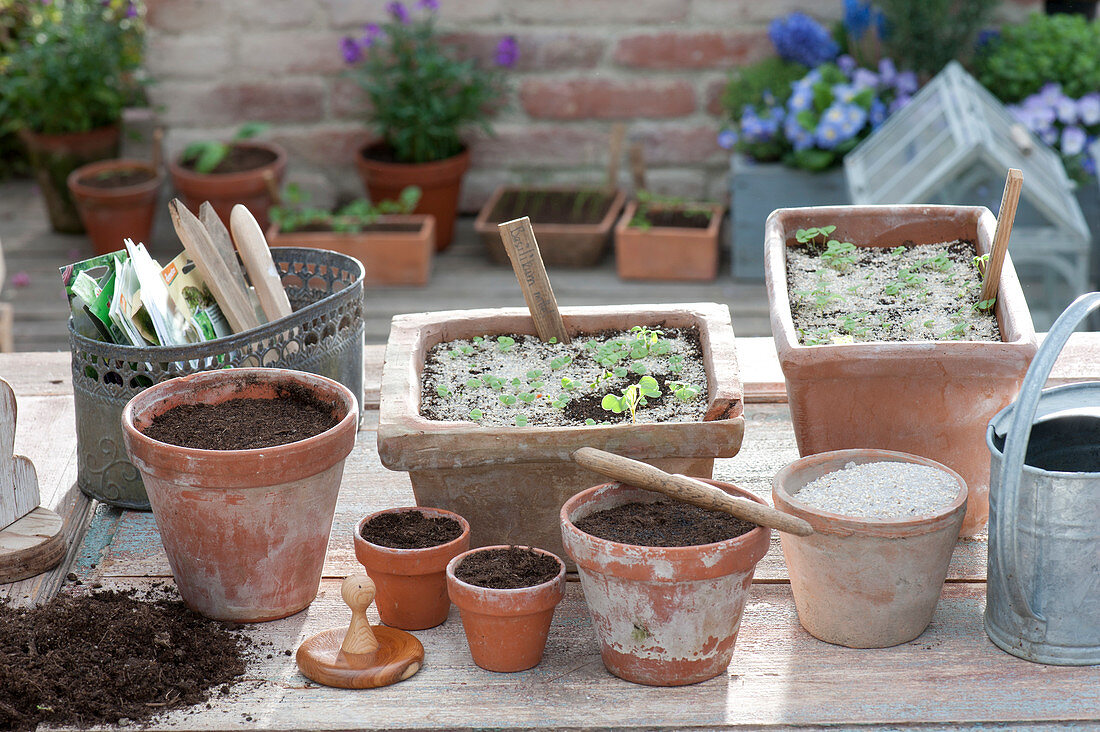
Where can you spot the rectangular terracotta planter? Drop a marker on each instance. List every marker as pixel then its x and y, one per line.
pixel 667 253
pixel 561 245
pixel 931 398
pixel 510 482
pixel 397 250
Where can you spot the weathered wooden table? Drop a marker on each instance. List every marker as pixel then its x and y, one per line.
pixel 780 675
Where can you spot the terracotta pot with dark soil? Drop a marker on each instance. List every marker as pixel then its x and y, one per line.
pixel 116 199
pixel 240 178
pixel 242 468
pixel 405 552
pixel 53 157
pixel 665 581
pixel 439 181
pixel 572 225
pixel 668 243
pixel 507 596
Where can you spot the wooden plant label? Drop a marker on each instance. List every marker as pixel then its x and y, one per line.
pixel 523 251
pixel 18 481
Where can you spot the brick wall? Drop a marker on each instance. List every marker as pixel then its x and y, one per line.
pixel 657 65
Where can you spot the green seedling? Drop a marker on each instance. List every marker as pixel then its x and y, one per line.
pixel 504 343
pixel 443 391
pixel 632 397
pixel 807 236
pixel 534 374
pixel 589 421
pixel 208 155
pixel 517 382
pixel 568 384
pixel 985 304
pixel 476 415
pixel 839 255
pixel 526 397
pixel 479 340
pixel 620 371
pixel 638 367
pixel 474 383
pixel 897 251
pixel 560 362
pixel 560 402
pixel 521 420
pixel 683 392
pixel 507 399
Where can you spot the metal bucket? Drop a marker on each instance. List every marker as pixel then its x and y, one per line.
pixel 1043 596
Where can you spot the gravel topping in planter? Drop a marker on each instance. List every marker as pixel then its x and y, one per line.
pixel 886 490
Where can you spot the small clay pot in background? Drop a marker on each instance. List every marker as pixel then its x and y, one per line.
pixel 506 629
pixel 411 584
pixel 225 190
pixel 115 210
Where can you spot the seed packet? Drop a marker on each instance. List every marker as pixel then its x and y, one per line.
pixel 89 287
pixel 192 297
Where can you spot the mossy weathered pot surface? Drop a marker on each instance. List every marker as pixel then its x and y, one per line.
pixel 225 190
pixel 411 583
pixel 53 157
pixel 664 616
pixel 510 482
pixel 665 252
pixel 928 398
pixel 245 531
pixel 396 250
pixel 113 214
pixel 865 582
pixel 506 630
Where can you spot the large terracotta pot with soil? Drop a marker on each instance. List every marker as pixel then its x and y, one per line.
pixel 53 157
pixel 439 181
pixel 506 596
pixel 510 482
pixel 405 552
pixel 395 250
pixel 245 530
pixel 675 242
pixel 869 581
pixel 116 199
pixel 242 177
pixel 664 615
pixel 573 225
pixel 928 398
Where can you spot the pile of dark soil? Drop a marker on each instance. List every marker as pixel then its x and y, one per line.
pixel 238 160
pixel 507 569
pixel 108 657
pixel 664 523
pixel 410 530
pixel 677 218
pixel 118 178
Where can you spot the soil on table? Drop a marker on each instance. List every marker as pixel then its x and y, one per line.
pixel 108 657
pixel 521 384
pixel 410 530
pixel 238 160
pixel 507 569
pixel 118 178
pixel 664 524
pixel 244 424
pixel 678 218
pixel 583 206
pixel 911 292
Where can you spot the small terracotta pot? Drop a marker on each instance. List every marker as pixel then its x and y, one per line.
pixel 113 214
pixel 439 181
pixel 245 530
pixel 506 629
pixel 225 190
pixel 53 157
pixel 666 252
pixel 665 616
pixel 864 582
pixel 411 583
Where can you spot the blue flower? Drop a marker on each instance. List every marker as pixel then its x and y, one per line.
pixel 828 135
pixel 802 97
pixel 844 92
pixel 1066 109
pixel 507 52
pixel 985 37
pixel 846 63
pixel 857 17
pixel 398 10
pixel 800 38
pixel 887 71
pixel 1088 109
pixel 799 136
pixel 1089 165
pixel 877 113
pixel 727 139
pixel 899 101
pixel 1049 136
pixel 906 83
pixel 1073 140
pixel 865 78
pixel 349 47
pixel 1050 93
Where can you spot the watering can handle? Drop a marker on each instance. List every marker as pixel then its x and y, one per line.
pixel 1019 432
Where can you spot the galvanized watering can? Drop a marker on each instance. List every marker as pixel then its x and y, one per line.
pixel 1043 598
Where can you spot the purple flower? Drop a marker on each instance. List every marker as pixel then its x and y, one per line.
pixel 371 32
pixel 22 279
pixel 1050 93
pixel 431 5
pixel 906 83
pixel 727 139
pixel 887 71
pixel 798 37
pixel 864 78
pixel 1066 109
pixel 1049 136
pixel 1088 109
pixel 899 101
pixel 846 63
pixel 349 47
pixel 1073 141
pixel 398 10
pixel 131 10
pixel 507 52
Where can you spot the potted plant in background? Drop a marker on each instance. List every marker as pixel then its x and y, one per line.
pixel 423 98
pixel 63 88
pixel 116 199
pixel 243 170
pixel 395 246
pixel 667 238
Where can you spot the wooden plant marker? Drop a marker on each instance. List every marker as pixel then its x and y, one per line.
pixel 523 250
pixel 364 656
pixel 1005 217
pixel 219 236
pixel 615 153
pixel 30 536
pixel 232 299
pixel 256 256
pixel 637 166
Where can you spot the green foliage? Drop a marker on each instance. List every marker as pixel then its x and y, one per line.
pixel 295 214
pixel 924 36
pixel 1058 48
pixel 762 84
pixel 68 66
pixel 206 155
pixel 648 202
pixel 504 343
pixel 632 397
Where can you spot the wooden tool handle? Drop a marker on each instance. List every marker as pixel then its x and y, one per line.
pixel 523 250
pixel 689 490
pixel 1006 215
pixel 256 256
pixel 358 592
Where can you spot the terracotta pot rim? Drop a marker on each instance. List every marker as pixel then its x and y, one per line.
pixel 77 185
pixel 60 137
pixel 412 218
pixel 505 592
pixel 382 549
pixel 177 169
pixel 361 156
pixel 835 523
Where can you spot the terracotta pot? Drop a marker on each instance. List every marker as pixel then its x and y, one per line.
pixel 245 530
pixel 932 399
pixel 561 245
pixel 510 482
pixel 397 250
pixel 225 190
pixel 53 157
pixel 411 583
pixel 667 253
pixel 864 582
pixel 506 629
pixel 113 214
pixel 439 182
pixel 664 616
